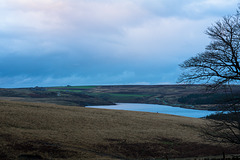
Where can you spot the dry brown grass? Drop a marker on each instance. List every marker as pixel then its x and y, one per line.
pixel 47 131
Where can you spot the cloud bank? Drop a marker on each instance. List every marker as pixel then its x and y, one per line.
pixel 81 42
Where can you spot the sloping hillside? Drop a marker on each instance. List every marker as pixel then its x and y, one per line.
pixel 47 131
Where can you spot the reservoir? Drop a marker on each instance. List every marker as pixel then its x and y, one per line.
pixel 157 109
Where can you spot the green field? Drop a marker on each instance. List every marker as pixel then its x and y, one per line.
pixel 82 87
pixel 75 87
pixel 64 90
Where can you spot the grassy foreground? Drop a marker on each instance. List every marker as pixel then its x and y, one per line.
pixel 48 131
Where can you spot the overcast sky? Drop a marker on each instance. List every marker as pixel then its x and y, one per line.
pixel 99 42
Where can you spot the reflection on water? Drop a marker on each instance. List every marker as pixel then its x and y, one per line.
pixel 157 109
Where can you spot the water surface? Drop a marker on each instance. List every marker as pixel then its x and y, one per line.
pixel 157 109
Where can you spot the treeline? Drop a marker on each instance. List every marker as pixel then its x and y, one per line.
pixel 198 99
pixel 228 117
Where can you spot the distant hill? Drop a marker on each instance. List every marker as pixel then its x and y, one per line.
pixel 187 96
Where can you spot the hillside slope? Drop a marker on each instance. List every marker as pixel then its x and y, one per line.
pixel 48 131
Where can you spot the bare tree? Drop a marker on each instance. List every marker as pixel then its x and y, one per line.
pixel 225 127
pixel 219 66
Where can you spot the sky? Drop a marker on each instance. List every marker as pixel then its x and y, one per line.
pixel 102 42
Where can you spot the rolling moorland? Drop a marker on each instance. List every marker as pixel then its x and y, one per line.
pixel 187 96
pixel 49 131
pixel 52 123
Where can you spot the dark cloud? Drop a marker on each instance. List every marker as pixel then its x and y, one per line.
pixel 76 42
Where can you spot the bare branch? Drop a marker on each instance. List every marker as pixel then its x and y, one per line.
pixel 217 66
